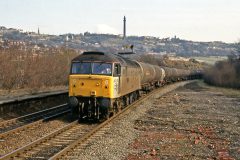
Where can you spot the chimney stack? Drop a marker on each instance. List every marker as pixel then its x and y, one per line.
pixel 124 27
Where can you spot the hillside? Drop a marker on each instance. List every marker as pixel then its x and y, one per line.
pixel 114 43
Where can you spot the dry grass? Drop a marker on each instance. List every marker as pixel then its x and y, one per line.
pixel 230 92
pixel 26 69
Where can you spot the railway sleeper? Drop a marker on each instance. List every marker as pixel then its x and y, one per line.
pixel 30 157
pixel 63 140
pixel 69 138
pixel 72 157
pixel 46 144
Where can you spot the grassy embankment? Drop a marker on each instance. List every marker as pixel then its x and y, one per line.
pixel 230 92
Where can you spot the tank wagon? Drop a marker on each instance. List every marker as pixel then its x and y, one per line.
pixel 101 84
pixel 174 74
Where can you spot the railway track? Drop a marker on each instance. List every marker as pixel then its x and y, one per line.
pixel 17 124
pixel 52 143
pixel 19 105
pixel 65 142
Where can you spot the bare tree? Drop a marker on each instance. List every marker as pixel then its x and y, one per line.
pixel 28 70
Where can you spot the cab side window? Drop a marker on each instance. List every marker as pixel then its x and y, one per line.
pixel 117 70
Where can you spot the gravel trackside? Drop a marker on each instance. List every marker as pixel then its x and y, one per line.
pixel 193 122
pixel 114 144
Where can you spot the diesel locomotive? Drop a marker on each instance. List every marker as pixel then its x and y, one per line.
pixel 101 84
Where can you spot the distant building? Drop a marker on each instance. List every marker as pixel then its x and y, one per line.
pixel 69 37
pixel 3 28
pixel 38 31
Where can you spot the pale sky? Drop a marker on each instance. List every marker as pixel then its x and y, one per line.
pixel 198 20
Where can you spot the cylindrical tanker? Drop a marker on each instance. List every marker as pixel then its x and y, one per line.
pixel 168 73
pixel 173 74
pixel 160 73
pixel 150 73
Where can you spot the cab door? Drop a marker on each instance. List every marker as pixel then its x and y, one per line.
pixel 117 79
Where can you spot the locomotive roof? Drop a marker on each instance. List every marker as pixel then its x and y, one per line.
pixel 103 57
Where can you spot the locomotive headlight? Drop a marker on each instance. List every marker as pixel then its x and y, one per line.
pixel 93 93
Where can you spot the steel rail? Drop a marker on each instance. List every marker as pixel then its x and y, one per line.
pixel 41 140
pixel 4 123
pixel 34 123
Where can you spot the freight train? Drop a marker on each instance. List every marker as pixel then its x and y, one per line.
pixel 101 84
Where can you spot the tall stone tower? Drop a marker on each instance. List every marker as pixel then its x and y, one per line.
pixel 38 31
pixel 124 27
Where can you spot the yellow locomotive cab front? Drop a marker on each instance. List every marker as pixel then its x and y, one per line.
pixel 91 85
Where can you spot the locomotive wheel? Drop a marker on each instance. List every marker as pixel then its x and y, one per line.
pixel 80 116
pixel 89 111
pixel 104 114
pixel 116 107
pixel 135 97
pixel 107 114
pixel 138 94
pixel 119 106
pixel 126 101
pixel 97 112
pixel 131 98
pixel 93 110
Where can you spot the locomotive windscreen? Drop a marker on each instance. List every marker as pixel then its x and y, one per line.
pixel 81 68
pixel 91 68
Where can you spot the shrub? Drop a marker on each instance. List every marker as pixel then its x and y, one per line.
pixel 224 73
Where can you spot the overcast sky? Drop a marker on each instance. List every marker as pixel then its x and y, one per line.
pixel 198 20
